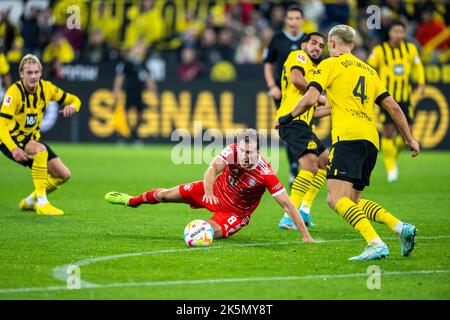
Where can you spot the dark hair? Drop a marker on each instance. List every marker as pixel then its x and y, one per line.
pixel 295 7
pixel 308 36
pixel 396 23
pixel 249 135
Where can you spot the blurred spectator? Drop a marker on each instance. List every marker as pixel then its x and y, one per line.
pixel 276 21
pixel 225 45
pixel 58 52
pixel 429 28
pixel 240 11
pixel 337 13
pixel 46 25
pixel 30 30
pixel 249 47
pixel 15 54
pixel 190 68
pixel 7 31
pixel 314 11
pixel 209 52
pixel 97 50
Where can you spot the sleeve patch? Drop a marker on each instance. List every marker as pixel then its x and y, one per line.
pixel 7 101
pixel 301 57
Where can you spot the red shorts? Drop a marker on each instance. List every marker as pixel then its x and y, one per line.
pixel 229 222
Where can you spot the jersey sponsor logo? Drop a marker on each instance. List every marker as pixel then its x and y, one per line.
pixel 187 187
pixel 312 145
pixel 301 57
pixel 399 69
pixel 252 182
pixel 8 100
pixel 30 120
pixel 232 181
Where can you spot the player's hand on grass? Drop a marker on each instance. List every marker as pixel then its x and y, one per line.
pixel 68 111
pixel 307 238
pixel 414 147
pixel 210 198
pixel 20 155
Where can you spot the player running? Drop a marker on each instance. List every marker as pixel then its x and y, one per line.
pixel 20 122
pixel 301 141
pixel 232 188
pixel 353 88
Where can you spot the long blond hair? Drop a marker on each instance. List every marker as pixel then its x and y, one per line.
pixel 29 58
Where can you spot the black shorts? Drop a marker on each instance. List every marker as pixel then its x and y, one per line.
pixel 29 163
pixel 300 139
pixel 134 101
pixel 407 111
pixel 352 161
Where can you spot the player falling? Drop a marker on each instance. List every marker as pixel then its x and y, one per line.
pixel 232 189
pixel 20 122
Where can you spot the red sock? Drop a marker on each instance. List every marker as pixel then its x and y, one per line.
pixel 147 197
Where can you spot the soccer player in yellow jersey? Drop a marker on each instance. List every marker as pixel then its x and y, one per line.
pixel 352 89
pixel 301 141
pixel 20 121
pixel 396 62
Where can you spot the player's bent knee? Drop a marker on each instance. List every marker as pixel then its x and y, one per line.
pixel 66 174
pixel 331 201
pixel 163 195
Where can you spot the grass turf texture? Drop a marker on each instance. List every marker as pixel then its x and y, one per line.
pixel 32 246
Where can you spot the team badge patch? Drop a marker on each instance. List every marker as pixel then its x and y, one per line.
pixel 301 57
pixel 188 187
pixel 7 100
pixel 252 182
pixel 312 145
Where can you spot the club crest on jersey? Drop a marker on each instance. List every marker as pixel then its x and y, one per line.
pixel 187 187
pixel 312 145
pixel 31 120
pixel 301 57
pixel 252 182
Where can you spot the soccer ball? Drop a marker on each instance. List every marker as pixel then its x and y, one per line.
pixel 198 233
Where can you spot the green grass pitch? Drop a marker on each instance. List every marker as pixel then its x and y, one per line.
pixel 127 253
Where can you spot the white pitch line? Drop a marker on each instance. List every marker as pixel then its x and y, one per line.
pixel 59 272
pixel 225 280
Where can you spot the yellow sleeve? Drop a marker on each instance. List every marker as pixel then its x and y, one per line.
pixel 380 90
pixel 323 75
pixel 418 70
pixel 298 60
pixel 10 104
pixel 63 98
pixel 374 57
pixel 4 65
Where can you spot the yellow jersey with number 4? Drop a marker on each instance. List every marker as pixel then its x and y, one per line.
pixel 290 95
pixel 352 88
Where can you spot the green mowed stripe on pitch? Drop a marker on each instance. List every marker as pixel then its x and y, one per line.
pixel 33 246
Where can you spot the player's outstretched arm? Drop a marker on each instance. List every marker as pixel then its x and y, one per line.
pixel 399 118
pixel 284 201
pixel 216 167
pixel 311 96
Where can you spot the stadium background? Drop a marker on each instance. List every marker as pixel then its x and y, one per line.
pixel 229 37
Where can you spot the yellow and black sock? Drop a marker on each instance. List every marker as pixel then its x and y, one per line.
pixel 316 184
pixel 389 152
pixel 39 173
pixel 376 212
pixel 356 218
pixel 300 186
pixel 52 184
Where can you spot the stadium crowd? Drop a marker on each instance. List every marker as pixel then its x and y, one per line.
pixel 205 32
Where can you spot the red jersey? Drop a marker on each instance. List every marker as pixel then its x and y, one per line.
pixel 240 190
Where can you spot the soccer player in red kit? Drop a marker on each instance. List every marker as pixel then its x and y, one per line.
pixel 232 188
